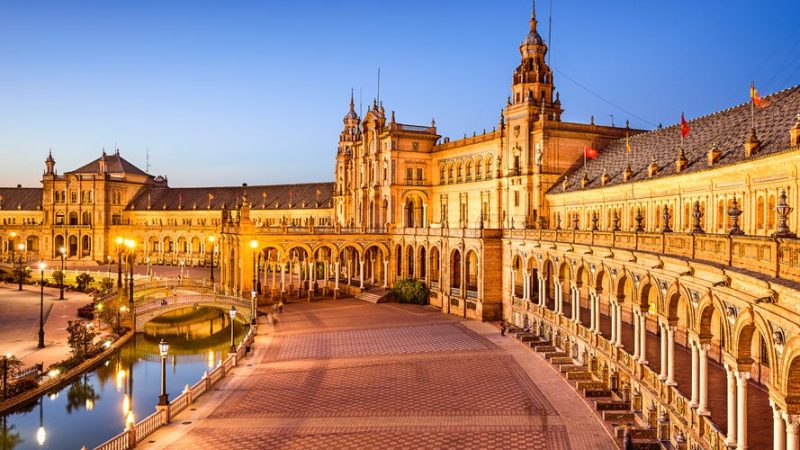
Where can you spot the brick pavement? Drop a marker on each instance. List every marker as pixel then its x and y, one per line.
pixel 347 374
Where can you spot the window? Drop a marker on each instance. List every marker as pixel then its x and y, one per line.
pixel 409 174
pixel 116 219
pixel 419 174
pixel 516 198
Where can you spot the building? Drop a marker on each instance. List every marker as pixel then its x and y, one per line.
pixel 668 266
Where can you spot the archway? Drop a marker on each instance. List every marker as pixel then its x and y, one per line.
pixel 375 259
pixel 410 262
pixel 435 267
pixel 72 248
pixel 423 274
pixel 86 246
pixel 455 272
pixel 472 274
pixel 517 277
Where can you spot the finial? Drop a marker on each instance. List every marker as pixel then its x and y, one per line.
pixel 533 13
pixel 392 120
pixel 433 122
pixel 591 120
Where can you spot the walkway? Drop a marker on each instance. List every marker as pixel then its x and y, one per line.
pixel 19 327
pixel 350 374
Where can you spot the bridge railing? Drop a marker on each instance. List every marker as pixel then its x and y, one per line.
pixel 157 303
pixel 136 433
pixel 145 284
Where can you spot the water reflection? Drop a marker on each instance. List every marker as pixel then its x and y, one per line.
pixel 125 387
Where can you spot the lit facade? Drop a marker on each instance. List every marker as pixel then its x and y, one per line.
pixel 683 241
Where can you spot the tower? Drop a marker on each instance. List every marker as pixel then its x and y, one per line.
pixel 50 164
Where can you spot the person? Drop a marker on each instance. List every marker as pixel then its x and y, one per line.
pixel 527 328
pixel 280 306
pixel 502 328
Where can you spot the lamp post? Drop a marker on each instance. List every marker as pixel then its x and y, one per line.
pixel 13 235
pixel 108 266
pixel 253 293
pixel 6 359
pixel 63 252
pixel 232 313
pixel 130 244
pixel 41 306
pixel 119 262
pixel 212 239
pixel 21 248
pixel 163 348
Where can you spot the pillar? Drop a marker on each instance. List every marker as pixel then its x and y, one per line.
pixel 792 435
pixel 619 324
pixel 592 307
pixel 513 283
pixel 559 296
pixel 542 293
pixel 731 439
pixel 671 356
pixel 695 375
pixel 613 313
pixel 778 428
pixel 663 374
pixel 596 314
pixel 283 278
pixel 635 335
pixel 642 337
pixel 336 279
pixel 702 409
pixel 361 274
pixel 525 286
pixel 385 273
pixel 741 409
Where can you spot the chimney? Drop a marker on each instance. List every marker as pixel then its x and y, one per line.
pixel 714 154
pixel 752 144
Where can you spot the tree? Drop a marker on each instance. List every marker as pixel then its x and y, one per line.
pixel 411 291
pixel 81 338
pixel 22 275
pixel 58 277
pixel 83 281
pixel 14 365
pixel 106 284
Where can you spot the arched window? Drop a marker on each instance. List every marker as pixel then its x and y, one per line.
pixel 434 267
pixel 87 218
pixel 410 262
pixel 455 270
pixel 760 213
pixel 479 170
pixel 469 170
pixel 472 271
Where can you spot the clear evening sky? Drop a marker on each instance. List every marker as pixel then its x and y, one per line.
pixel 230 92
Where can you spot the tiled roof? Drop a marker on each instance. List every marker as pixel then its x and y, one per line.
pixel 115 163
pixel 728 129
pixel 285 196
pixel 23 199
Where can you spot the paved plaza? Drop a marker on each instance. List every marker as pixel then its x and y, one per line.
pixel 350 374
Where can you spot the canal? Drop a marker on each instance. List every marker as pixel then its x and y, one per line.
pixel 94 408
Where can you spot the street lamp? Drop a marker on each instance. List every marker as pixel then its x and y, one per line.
pixel 63 252
pixel 232 313
pixel 212 239
pixel 119 262
pixel 6 360
pixel 163 348
pixel 13 235
pixel 21 248
pixel 253 306
pixel 41 306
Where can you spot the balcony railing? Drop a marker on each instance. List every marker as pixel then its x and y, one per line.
pixel 773 257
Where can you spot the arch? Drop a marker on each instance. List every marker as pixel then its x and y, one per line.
pixel 398 251
pixel 489 167
pixel 649 296
pixel 86 218
pixel 58 242
pixel 478 168
pixel 455 269
pixel 679 307
pixel 749 325
pixel 422 263
pixel 410 261
pixel 435 266
pixel 72 218
pixel 472 271
pixel 86 246
pixel 298 246
pixel 72 246
pixel 32 243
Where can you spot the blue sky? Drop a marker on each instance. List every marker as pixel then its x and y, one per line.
pixel 228 92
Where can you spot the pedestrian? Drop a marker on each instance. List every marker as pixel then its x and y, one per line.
pixel 502 328
pixel 280 306
pixel 627 440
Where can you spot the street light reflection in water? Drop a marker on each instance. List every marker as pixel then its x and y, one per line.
pixel 99 404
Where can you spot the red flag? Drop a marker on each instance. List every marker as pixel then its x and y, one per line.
pixel 684 126
pixel 590 152
pixel 755 98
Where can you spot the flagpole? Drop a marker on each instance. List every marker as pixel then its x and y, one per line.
pixel 752 105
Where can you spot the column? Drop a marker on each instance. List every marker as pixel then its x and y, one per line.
pixel 671 356
pixel 525 286
pixel 643 337
pixel 542 293
pixel 592 324
pixel 597 314
pixel 613 312
pixel 778 428
pixel 703 407
pixel 424 215
pixel 385 273
pixel 619 324
pixel 560 297
pixel 731 439
pixel 361 273
pixel 274 276
pixel 336 279
pixel 741 409
pixel 695 375
pixel 283 278
pixel 663 374
pixel 792 436
pixel 513 283
pixel 635 334
pixel 311 276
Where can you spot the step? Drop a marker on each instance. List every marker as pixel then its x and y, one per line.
pixel 528 337
pixel 545 348
pixel 564 362
pixel 569 366
pixel 612 405
pixel 534 344
pixel 582 385
pixel 649 444
pixel 555 354
pixel 576 375
pixel 597 393
pixel 375 296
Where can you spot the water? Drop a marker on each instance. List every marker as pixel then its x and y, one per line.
pixel 91 409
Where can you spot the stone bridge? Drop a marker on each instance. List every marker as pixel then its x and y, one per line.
pixel 151 307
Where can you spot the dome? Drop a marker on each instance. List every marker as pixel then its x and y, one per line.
pixel 533 38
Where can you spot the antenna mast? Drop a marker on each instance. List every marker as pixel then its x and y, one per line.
pixel 147 156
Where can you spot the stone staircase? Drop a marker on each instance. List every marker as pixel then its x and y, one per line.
pixel 375 295
pixel 608 405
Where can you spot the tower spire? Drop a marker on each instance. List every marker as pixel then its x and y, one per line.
pixel 533 16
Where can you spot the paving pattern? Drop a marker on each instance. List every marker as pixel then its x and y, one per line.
pixel 346 374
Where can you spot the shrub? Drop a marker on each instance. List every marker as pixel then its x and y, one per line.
pixel 58 277
pixel 83 281
pixel 25 384
pixel 106 284
pixel 411 291
pixel 81 338
pixel 86 312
